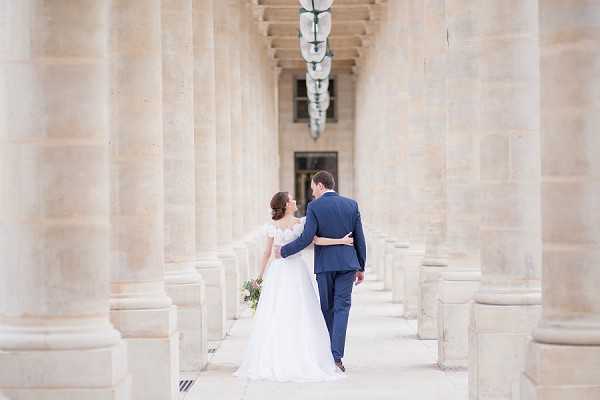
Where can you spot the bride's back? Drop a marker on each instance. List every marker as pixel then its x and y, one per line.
pixel 284 235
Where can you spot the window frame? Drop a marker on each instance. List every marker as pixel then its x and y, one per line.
pixel 334 154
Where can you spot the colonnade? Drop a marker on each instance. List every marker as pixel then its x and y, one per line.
pixel 138 152
pixel 485 118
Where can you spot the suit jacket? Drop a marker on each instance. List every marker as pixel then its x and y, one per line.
pixel 332 216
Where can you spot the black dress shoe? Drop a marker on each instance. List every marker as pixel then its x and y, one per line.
pixel 340 366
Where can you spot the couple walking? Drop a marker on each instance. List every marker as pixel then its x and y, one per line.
pixel 298 336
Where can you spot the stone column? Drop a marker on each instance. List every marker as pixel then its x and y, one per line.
pixel 262 196
pixel 389 135
pixel 184 284
pixel 257 217
pixel 562 360
pixel 222 39
pixel 461 280
pixel 56 338
pixel 506 306
pixel 246 139
pixel 208 265
pixel 397 117
pixel 377 122
pixel 435 42
pixel 416 159
pixel 237 131
pixel 363 148
pixel 141 309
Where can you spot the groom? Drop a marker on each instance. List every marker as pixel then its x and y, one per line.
pixel 337 267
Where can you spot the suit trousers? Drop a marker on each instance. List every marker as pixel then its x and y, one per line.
pixel 335 291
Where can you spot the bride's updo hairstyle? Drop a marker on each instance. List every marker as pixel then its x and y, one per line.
pixel 278 203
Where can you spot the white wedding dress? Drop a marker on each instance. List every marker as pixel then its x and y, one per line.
pixel 289 341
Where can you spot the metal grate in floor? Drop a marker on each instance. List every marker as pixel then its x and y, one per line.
pixel 185 385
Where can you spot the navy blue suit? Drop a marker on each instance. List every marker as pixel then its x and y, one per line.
pixel 333 216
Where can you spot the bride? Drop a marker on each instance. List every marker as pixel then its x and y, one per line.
pixel 290 341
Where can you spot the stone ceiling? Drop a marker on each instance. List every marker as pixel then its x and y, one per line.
pixel 353 24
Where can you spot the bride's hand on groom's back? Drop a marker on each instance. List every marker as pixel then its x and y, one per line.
pixel 348 239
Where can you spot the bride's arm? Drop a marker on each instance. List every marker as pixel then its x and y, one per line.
pixel 265 258
pixel 321 241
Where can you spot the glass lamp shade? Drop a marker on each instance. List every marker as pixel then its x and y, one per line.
pixel 315 108
pixel 312 52
pixel 317 114
pixel 315 27
pixel 322 124
pixel 316 86
pixel 318 97
pixel 318 123
pixel 320 70
pixel 315 133
pixel 316 5
pixel 324 103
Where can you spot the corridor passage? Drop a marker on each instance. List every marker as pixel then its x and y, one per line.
pixel 384 360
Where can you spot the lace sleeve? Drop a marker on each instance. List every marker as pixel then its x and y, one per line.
pixel 269 230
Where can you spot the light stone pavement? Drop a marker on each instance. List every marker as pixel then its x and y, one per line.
pixel 384 359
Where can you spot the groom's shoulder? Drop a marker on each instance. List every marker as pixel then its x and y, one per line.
pixel 348 200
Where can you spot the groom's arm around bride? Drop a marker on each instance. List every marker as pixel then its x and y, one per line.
pixel 331 216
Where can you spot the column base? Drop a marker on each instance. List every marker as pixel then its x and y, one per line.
pixel 154 367
pixel 498 338
pixel 259 243
pixel 398 272
pixel 412 265
pixel 372 259
pixel 190 300
pixel 252 258
pixel 241 254
pixel 380 263
pixel 390 259
pixel 429 291
pixel 153 351
pixel 95 374
pixel 213 274
pixel 233 282
pixel 561 372
pixel 370 243
pixel 457 288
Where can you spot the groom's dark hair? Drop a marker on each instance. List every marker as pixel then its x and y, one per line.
pixel 324 178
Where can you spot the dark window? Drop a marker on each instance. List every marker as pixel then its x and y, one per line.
pixel 305 165
pixel 301 101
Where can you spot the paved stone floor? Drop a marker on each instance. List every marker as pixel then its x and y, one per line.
pixel 384 359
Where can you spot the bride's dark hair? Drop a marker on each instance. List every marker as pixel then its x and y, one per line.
pixel 278 203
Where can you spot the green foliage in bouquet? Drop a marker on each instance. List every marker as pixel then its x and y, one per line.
pixel 251 292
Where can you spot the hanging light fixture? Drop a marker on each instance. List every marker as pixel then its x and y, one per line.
pixel 316 85
pixel 315 133
pixel 320 70
pixel 317 113
pixel 316 5
pixel 318 97
pixel 315 27
pixel 313 51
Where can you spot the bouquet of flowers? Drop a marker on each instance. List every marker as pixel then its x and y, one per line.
pixel 251 292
